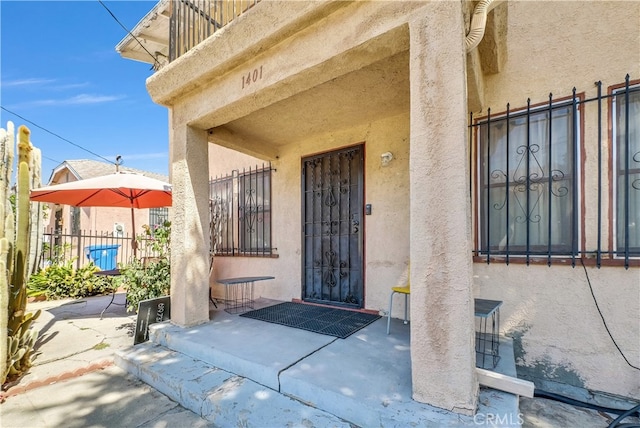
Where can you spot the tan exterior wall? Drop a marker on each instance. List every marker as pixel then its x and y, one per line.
pixel 101 219
pixel 222 161
pixel 558 334
pixel 370 39
pixel 549 311
pixel 551 47
pixel 386 189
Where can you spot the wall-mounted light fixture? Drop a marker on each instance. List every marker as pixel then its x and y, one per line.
pixel 386 157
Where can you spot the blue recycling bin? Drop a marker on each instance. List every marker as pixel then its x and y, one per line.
pixel 103 256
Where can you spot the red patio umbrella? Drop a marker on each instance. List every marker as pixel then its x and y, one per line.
pixel 122 189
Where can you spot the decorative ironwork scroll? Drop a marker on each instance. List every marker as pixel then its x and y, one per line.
pixel 332 197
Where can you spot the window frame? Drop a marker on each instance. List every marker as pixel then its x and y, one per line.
pixel 543 252
pixel 159 213
pixel 227 202
pixel 74 219
pixel 614 171
pixel 261 211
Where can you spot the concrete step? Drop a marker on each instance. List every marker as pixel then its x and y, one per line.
pixel 364 379
pixel 218 396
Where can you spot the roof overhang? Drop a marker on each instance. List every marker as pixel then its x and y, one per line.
pixel 148 41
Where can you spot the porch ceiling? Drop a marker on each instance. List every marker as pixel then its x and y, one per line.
pixel 370 93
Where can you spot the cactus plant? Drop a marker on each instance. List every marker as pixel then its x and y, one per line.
pixel 37 215
pixel 17 338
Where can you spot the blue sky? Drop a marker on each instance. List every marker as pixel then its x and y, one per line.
pixel 59 69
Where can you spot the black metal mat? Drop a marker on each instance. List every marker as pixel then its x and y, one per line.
pixel 319 319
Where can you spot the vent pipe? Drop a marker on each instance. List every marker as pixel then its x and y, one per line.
pixel 479 22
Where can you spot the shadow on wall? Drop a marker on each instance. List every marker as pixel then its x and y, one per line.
pixel 544 373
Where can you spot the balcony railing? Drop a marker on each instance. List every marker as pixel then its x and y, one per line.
pixel 192 21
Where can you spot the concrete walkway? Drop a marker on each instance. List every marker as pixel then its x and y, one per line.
pixel 74 383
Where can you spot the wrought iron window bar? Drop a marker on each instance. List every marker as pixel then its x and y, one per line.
pixel 157 216
pixel 240 213
pixel 630 172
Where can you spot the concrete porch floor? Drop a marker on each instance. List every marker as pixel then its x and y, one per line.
pixel 243 372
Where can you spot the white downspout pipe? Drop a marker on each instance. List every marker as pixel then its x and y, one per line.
pixel 479 22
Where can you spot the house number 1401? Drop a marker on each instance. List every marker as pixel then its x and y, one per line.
pixel 251 77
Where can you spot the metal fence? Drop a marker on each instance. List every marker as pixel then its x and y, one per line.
pixel 102 248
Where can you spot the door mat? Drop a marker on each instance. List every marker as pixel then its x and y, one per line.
pixel 319 319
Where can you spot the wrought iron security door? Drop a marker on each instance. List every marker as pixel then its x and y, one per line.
pixel 332 228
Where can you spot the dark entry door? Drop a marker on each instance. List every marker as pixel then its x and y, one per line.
pixel 332 192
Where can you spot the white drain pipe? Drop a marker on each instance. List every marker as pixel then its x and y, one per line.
pixel 479 22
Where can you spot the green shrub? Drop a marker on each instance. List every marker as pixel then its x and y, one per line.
pixel 55 255
pixel 62 280
pixel 145 282
pixel 150 277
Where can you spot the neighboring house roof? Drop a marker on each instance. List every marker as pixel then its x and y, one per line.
pixel 86 168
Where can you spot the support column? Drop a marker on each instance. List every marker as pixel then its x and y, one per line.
pixel 189 226
pixel 442 326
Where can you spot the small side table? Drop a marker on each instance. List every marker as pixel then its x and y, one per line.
pixel 112 272
pixel 487 331
pixel 238 292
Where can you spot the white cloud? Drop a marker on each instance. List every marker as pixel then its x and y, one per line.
pixel 81 99
pixel 32 81
pixel 92 99
pixel 42 83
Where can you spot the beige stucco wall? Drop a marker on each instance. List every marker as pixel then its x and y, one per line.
pixel 549 311
pixel 539 61
pixel 363 35
pixel 95 219
pixel 102 219
pixel 556 45
pixel 551 47
pixel 99 220
pixel 558 333
pixel 386 189
pixel 223 161
pixel 442 335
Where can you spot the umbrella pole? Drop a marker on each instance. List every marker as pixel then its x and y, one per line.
pixel 134 244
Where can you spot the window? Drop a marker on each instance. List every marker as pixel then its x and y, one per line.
pixel 254 211
pixel 221 203
pixel 626 139
pixel 75 220
pixel 240 206
pixel 157 216
pixel 527 179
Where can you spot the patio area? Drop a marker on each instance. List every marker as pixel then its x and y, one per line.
pixel 240 371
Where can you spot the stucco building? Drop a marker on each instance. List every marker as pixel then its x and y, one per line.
pixel 441 135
